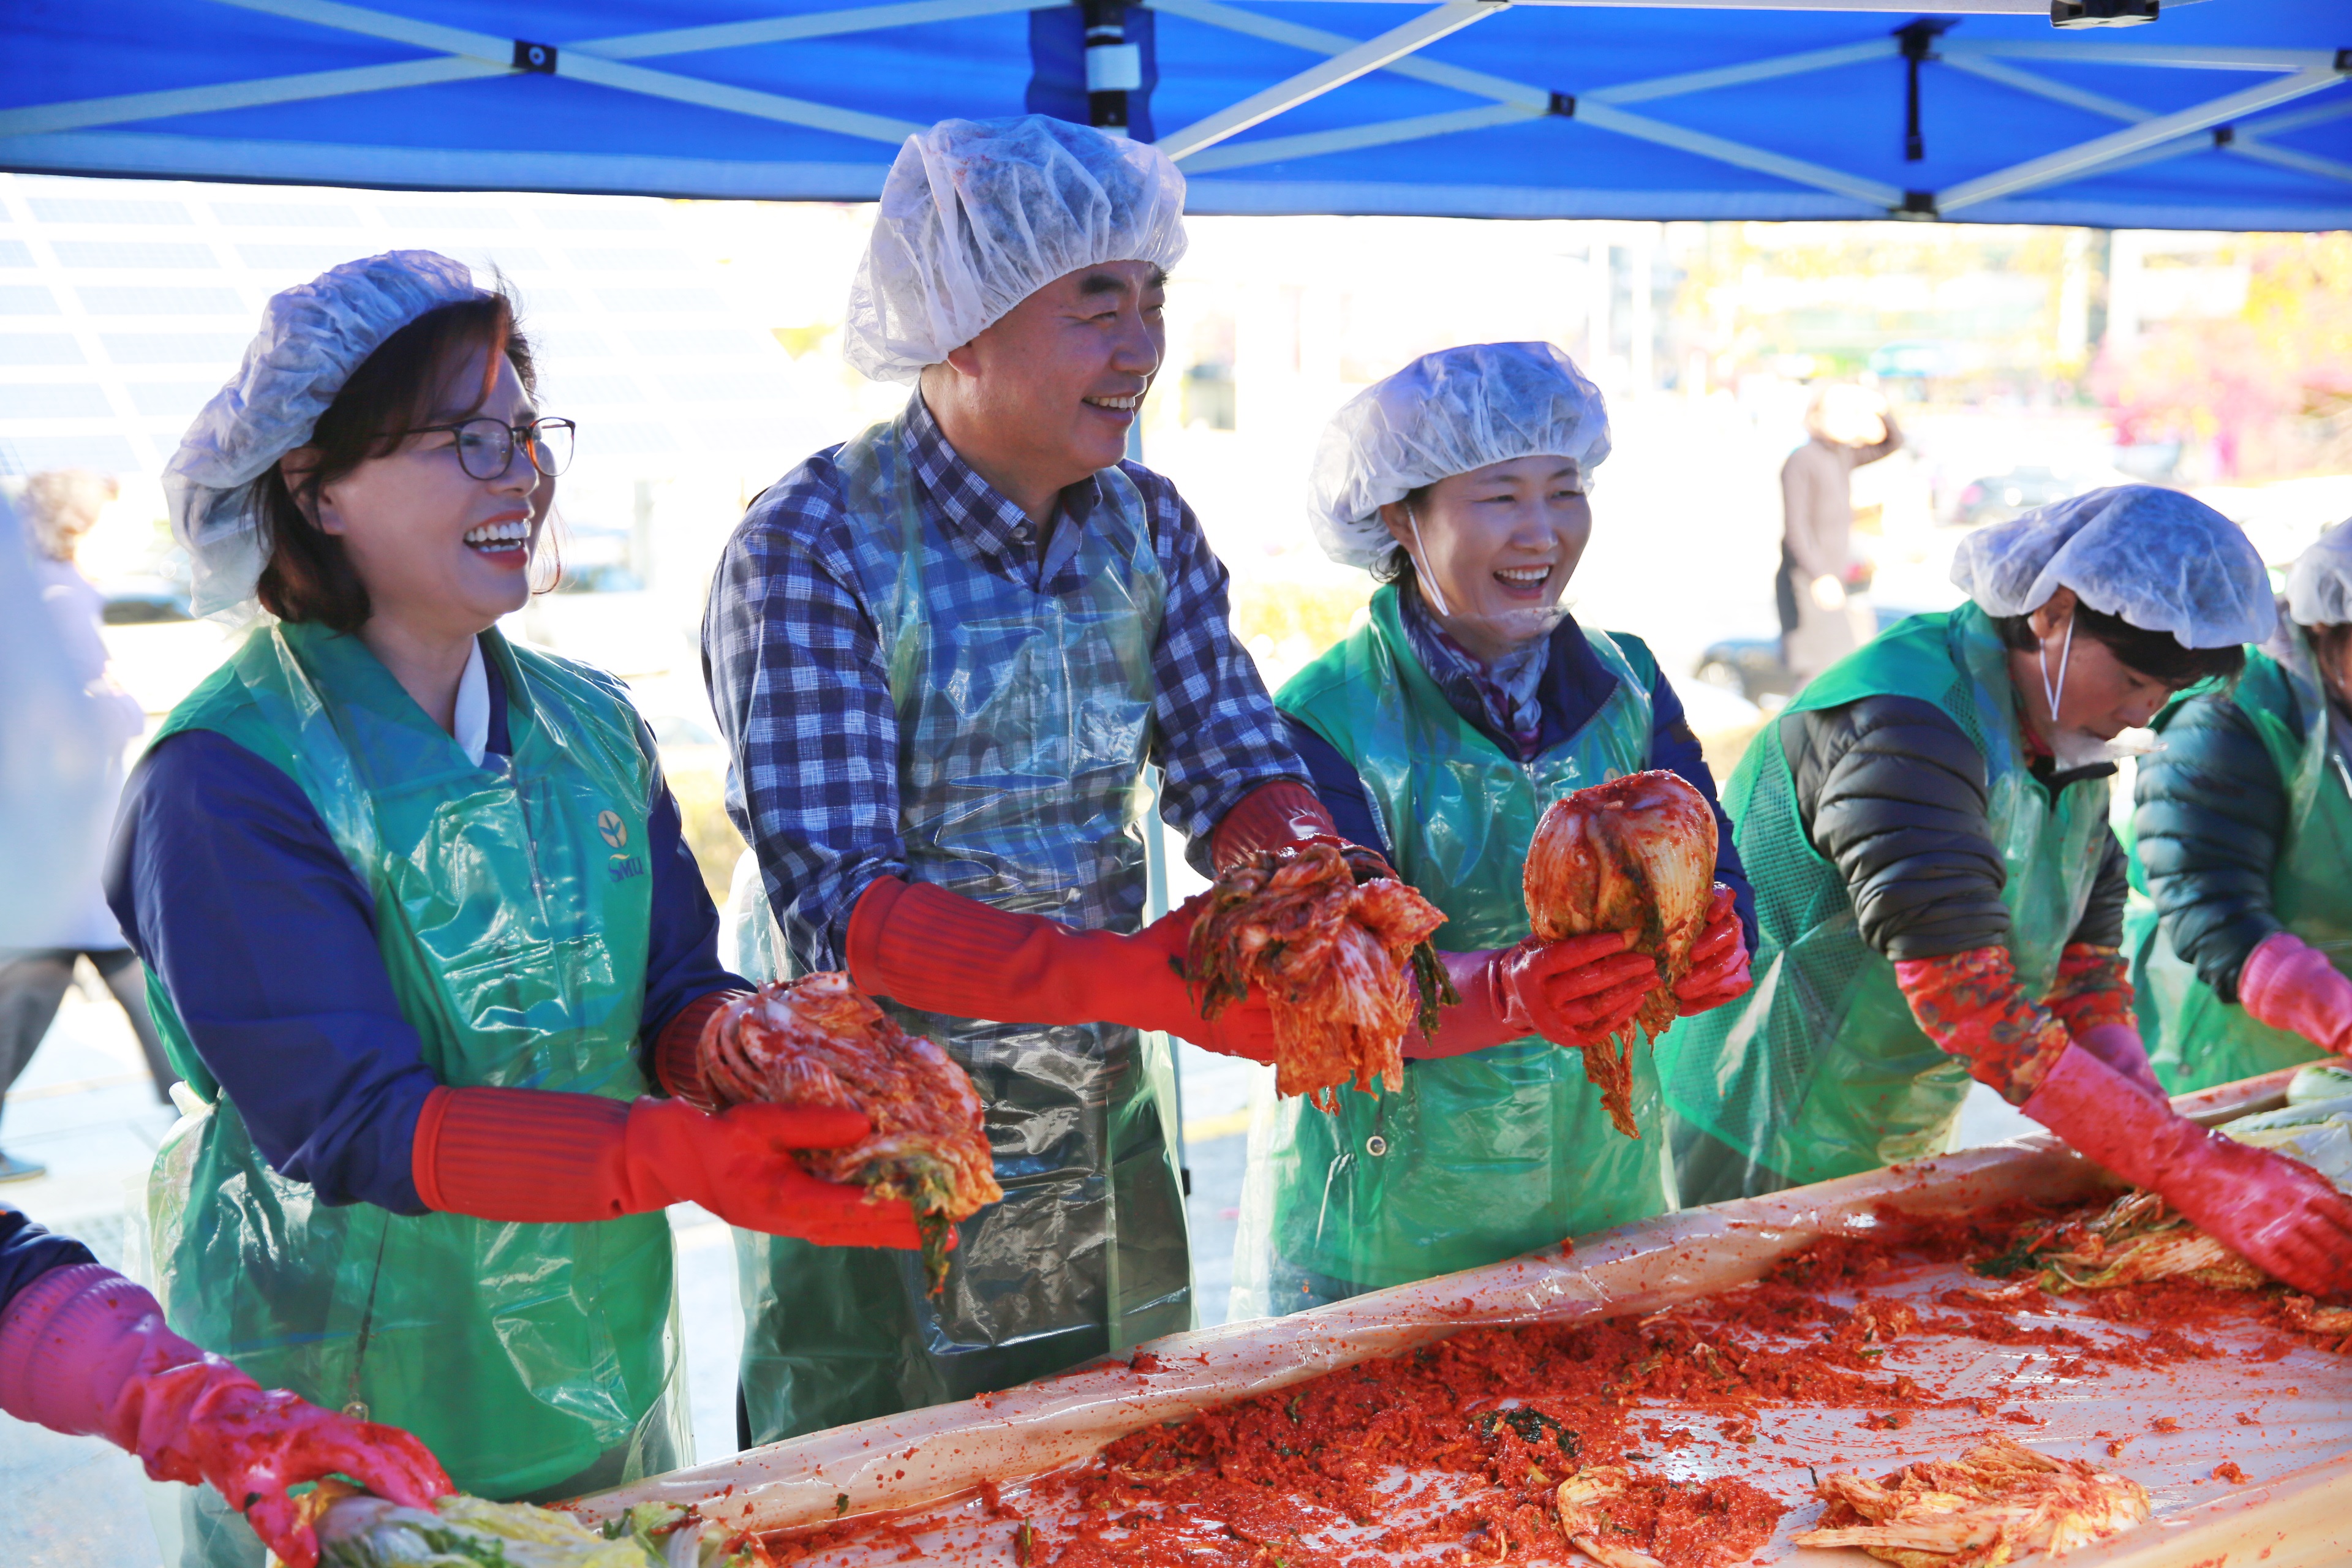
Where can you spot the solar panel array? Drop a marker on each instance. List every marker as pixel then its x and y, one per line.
pixel 125 305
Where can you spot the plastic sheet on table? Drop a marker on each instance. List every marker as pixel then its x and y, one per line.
pixel 923 1468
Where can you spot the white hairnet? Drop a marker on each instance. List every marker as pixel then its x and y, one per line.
pixel 978 214
pixel 1445 413
pixel 2319 589
pixel 313 337
pixel 2160 560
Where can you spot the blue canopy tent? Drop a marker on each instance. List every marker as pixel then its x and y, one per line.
pixel 2222 115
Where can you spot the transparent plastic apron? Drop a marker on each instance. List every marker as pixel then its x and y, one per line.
pixel 1484 1156
pixel 2194 1039
pixel 1024 724
pixel 1820 1070
pixel 512 907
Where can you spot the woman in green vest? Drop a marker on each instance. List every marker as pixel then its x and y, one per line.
pixel 1439 733
pixel 421 931
pixel 2242 829
pixel 1939 897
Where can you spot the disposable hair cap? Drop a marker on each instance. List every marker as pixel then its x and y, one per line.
pixel 2319 589
pixel 1446 413
pixel 2160 560
pixel 978 214
pixel 313 337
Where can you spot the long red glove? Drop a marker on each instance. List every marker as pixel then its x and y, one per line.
pixel 1719 971
pixel 1571 992
pixel 530 1156
pixel 84 1351
pixel 1971 1005
pixel 678 1050
pixel 1284 815
pixel 2289 984
pixel 940 952
pixel 2282 1216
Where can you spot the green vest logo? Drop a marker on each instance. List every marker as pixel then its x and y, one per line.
pixel 620 868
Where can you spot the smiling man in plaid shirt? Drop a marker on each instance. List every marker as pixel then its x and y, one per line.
pixel 944 654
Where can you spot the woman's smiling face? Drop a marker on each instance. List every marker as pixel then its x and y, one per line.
pixel 433 545
pixel 1496 543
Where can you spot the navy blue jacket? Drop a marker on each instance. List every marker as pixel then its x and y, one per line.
pixel 1575 684
pixel 231 889
pixel 27 1252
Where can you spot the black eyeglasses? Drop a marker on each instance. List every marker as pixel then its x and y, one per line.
pixel 486 446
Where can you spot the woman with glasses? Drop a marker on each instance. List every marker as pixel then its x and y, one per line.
pixel 420 929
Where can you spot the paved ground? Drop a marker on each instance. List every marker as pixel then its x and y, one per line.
pixel 86 1108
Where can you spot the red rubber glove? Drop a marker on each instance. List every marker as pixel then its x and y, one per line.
pixel 2283 1217
pixel 939 951
pixel 1572 992
pixel 1971 1005
pixel 2289 984
pixel 529 1156
pixel 678 1050
pixel 1719 971
pixel 1284 815
pixel 85 1352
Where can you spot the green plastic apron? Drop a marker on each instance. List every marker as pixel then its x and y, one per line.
pixel 2194 1039
pixel 1820 1070
pixel 511 905
pixel 1484 1156
pixel 1025 726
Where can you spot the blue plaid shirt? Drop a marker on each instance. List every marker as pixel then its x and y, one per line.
pixel 795 666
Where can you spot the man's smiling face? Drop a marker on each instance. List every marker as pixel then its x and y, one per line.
pixel 1060 378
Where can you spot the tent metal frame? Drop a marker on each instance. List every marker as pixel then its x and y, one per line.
pixel 1207 146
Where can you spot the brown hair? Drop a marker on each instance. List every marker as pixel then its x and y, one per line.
pixel 1397 566
pixel 309 576
pixel 2159 655
pixel 2328 642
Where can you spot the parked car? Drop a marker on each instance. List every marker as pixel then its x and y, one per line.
pixel 1750 666
pixel 156 648
pixel 1997 497
pixel 144 602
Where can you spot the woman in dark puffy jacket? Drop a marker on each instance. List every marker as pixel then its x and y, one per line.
pixel 2243 823
pixel 1937 891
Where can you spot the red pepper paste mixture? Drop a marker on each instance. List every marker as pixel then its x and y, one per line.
pixel 1336 1472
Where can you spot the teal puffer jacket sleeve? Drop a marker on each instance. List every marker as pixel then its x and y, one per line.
pixel 2210 809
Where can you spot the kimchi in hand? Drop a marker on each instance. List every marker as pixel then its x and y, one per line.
pixel 1634 855
pixel 1341 949
pixel 821 1041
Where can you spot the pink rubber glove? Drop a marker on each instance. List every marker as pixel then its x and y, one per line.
pixel 84 1351
pixel 529 1155
pixel 939 951
pixel 2289 984
pixel 2283 1217
pixel 1571 992
pixel 1719 971
pixel 2120 1047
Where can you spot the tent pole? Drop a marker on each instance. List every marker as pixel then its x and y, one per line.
pixel 1337 71
pixel 2074 161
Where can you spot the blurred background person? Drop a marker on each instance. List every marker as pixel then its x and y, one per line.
pixel 2243 838
pixel 1824 615
pixel 37 964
